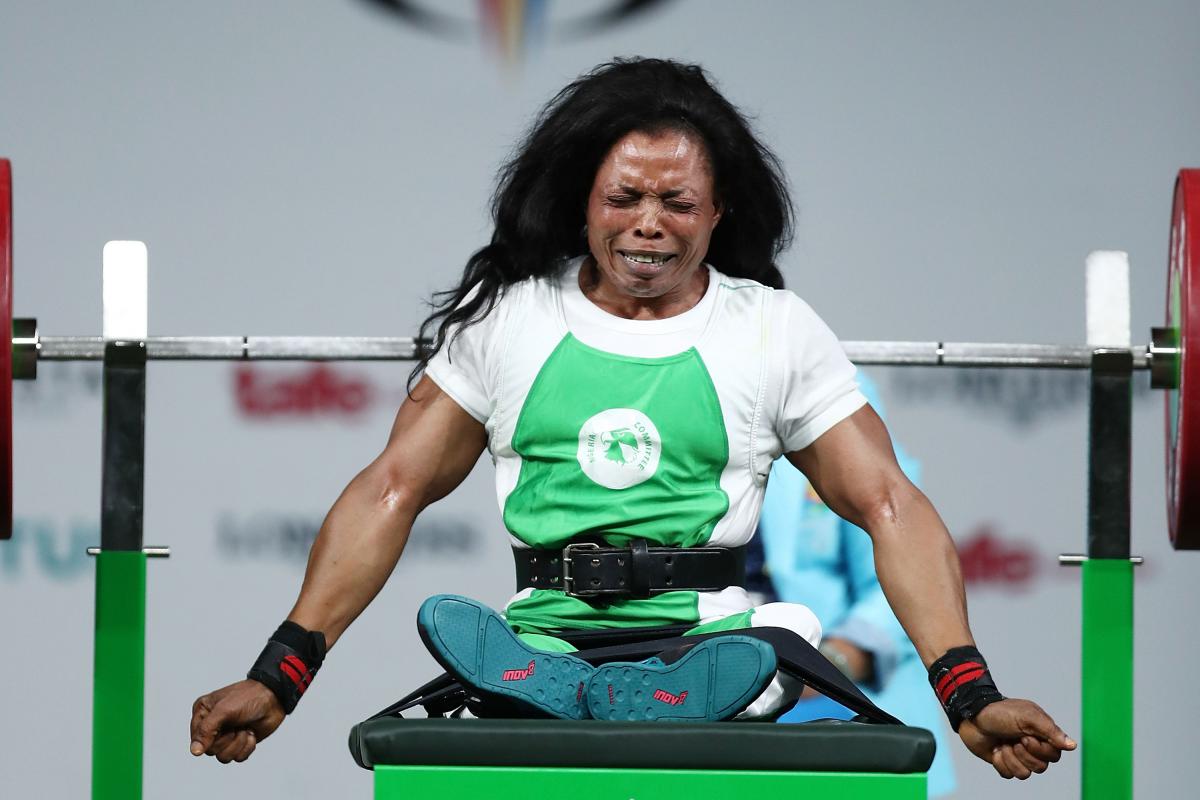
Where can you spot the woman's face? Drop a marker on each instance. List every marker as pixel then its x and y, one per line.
pixel 650 215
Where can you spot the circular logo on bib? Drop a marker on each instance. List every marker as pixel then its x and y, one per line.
pixel 619 448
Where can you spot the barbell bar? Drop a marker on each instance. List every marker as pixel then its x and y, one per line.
pixel 1166 356
pixel 30 349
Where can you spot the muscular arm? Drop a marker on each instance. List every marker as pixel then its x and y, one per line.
pixel 432 447
pixel 853 469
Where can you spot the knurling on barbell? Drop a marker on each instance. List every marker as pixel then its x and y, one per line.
pixel 1166 356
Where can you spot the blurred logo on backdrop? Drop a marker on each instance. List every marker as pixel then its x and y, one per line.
pixel 311 390
pixel 324 391
pixel 509 28
pixel 988 558
pixel 49 547
pixel 287 537
pixel 1020 397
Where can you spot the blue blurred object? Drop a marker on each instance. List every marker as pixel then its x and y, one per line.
pixel 814 557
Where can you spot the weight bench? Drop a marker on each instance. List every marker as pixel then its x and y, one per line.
pixel 519 759
pixel 516 759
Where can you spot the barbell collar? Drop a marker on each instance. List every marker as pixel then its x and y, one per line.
pixel 1164 358
pixel 24 349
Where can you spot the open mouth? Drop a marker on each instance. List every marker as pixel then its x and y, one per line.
pixel 644 262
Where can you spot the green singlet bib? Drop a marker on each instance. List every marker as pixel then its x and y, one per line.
pixel 620 447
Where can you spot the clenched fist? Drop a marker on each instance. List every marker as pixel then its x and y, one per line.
pixel 230 722
pixel 1016 737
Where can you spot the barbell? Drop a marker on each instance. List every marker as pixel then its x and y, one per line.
pixel 1166 356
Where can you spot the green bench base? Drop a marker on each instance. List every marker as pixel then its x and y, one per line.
pixel 504 759
pixel 523 783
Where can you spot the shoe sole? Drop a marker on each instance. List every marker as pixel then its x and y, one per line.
pixel 713 681
pixel 475 644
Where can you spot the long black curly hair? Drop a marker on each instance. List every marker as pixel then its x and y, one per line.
pixel 541 194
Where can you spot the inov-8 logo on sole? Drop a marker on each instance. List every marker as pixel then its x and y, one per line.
pixel 518 674
pixel 619 448
pixel 668 698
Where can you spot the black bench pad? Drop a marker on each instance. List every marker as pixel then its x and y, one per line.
pixel 810 747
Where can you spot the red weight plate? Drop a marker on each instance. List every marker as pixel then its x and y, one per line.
pixel 1183 403
pixel 6 377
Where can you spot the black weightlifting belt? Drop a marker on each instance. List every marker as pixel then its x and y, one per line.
pixel 591 570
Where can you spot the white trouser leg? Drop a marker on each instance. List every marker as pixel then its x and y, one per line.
pixel 783 689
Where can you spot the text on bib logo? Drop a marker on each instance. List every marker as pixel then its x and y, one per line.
pixel 619 448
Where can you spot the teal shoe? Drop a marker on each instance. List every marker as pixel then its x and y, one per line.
pixel 477 646
pixel 714 680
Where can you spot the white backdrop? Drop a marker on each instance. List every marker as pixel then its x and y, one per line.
pixel 320 168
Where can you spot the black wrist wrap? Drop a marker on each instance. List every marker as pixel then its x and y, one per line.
pixel 963 684
pixel 289 663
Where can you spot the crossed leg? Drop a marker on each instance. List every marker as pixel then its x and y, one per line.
pixel 782 691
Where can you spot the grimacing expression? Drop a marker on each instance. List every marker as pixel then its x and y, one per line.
pixel 650 215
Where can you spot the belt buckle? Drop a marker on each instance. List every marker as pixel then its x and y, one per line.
pixel 568 579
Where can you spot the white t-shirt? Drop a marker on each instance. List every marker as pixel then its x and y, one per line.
pixel 663 430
